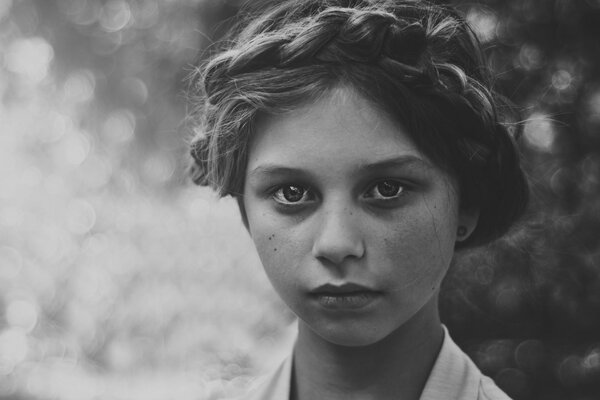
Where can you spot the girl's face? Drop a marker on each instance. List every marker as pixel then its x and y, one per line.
pixel 354 226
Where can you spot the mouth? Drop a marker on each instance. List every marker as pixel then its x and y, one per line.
pixel 349 296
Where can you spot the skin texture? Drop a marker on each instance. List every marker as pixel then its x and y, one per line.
pixel 336 192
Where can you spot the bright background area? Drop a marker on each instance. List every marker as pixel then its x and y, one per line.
pixel 117 279
pixel 120 280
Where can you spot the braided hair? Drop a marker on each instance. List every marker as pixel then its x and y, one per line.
pixel 417 61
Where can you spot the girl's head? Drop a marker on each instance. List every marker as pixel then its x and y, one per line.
pixel 354 225
pixel 416 62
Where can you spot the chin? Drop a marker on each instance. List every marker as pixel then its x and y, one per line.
pixel 350 336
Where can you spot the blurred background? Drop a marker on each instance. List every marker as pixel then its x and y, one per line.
pixel 121 280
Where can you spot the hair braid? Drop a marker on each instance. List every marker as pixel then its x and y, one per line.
pixel 417 60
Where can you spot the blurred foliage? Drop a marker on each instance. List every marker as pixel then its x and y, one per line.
pixel 527 309
pixel 109 263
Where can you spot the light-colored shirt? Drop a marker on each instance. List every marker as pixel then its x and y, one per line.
pixel 453 377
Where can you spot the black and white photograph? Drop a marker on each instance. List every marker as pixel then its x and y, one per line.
pixel 299 200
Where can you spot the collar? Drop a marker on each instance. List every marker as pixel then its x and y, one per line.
pixel 453 377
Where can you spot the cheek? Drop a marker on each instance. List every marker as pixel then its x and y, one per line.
pixel 269 239
pixel 269 245
pixel 278 252
pixel 421 247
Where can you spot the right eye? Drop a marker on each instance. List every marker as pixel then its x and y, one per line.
pixel 292 194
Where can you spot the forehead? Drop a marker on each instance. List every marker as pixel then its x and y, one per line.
pixel 340 129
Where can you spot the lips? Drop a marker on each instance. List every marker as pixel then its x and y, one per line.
pixel 349 296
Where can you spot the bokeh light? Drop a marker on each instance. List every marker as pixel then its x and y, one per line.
pixel 29 58
pixel 119 127
pixel 79 86
pixel 115 15
pixel 530 57
pixel 539 132
pixel 484 23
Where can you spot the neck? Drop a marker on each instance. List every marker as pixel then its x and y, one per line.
pixel 396 367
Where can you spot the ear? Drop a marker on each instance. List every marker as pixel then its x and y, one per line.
pixel 467 222
pixel 240 202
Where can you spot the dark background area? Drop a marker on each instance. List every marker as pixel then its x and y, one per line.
pixel 527 309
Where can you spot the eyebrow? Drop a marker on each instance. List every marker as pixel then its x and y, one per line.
pixel 404 161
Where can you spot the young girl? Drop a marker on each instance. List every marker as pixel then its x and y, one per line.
pixel 364 145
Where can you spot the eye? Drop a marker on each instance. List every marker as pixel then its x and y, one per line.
pixel 292 194
pixel 385 190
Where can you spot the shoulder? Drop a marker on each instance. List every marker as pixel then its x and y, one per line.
pixel 274 386
pixel 456 377
pixel 489 391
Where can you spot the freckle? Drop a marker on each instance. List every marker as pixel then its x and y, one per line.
pixel 275 249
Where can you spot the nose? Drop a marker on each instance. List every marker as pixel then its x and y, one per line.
pixel 338 236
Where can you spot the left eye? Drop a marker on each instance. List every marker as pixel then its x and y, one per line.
pixel 386 190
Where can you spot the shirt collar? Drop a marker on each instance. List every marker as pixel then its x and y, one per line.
pixel 453 377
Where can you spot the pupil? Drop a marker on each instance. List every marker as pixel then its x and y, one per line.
pixel 388 189
pixel 293 193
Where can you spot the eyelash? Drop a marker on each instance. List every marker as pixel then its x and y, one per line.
pixel 401 188
pixel 277 194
